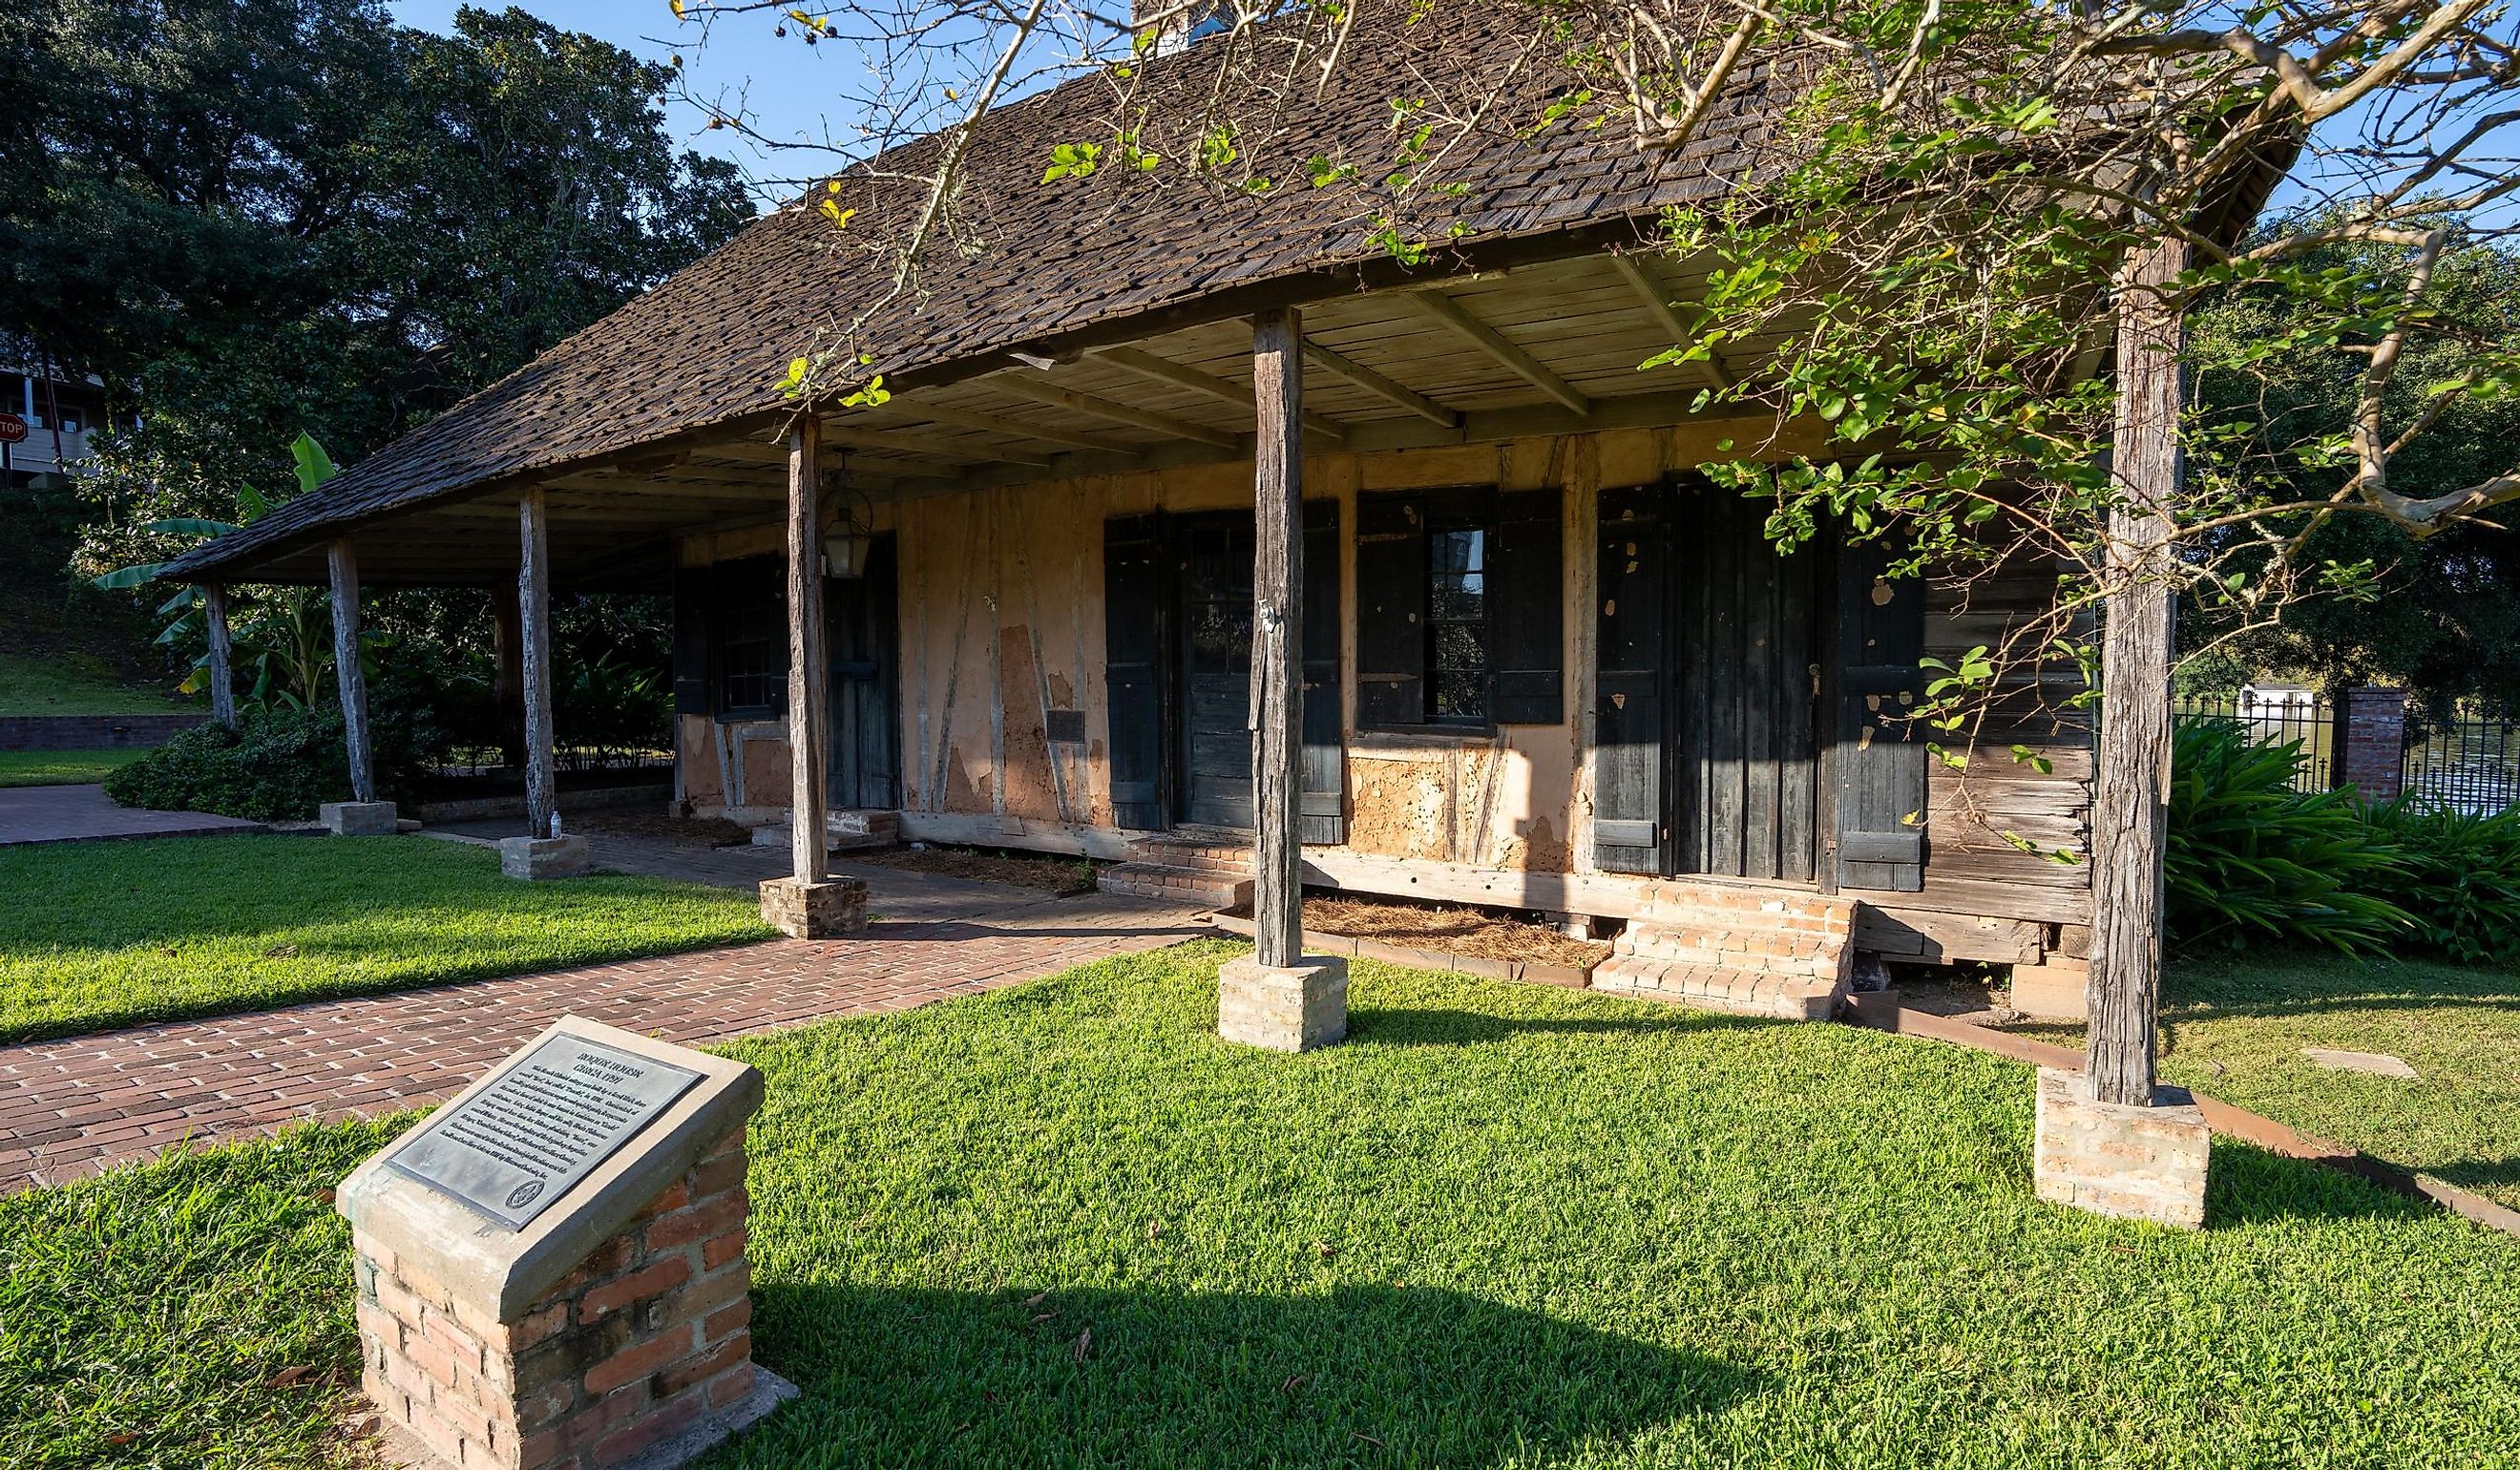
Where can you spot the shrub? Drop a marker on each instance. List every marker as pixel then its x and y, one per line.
pixel 2458 875
pixel 277 765
pixel 2251 858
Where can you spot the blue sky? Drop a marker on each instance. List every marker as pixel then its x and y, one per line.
pixel 783 83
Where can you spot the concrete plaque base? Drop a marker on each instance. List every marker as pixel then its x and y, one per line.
pixel 542 857
pixel 829 909
pixel 1294 1008
pixel 2133 1163
pixel 359 819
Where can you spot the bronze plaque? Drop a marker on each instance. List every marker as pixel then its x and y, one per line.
pixel 545 1122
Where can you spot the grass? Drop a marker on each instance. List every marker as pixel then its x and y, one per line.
pixel 61 768
pixel 1061 1225
pixel 2234 1028
pixel 74 683
pixel 102 934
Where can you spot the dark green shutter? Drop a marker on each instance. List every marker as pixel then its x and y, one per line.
pixel 1628 750
pixel 1526 609
pixel 1325 763
pixel 694 589
pixel 1878 762
pixel 1133 642
pixel 1390 610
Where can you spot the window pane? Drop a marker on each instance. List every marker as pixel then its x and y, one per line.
pixel 1457 626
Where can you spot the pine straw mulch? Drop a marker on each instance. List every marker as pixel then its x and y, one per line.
pixel 1047 873
pixel 1447 930
pixel 656 826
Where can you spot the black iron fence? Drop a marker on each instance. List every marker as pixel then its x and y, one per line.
pixel 2273 719
pixel 2468 764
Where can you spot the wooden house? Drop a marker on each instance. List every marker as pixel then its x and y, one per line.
pixel 1544 664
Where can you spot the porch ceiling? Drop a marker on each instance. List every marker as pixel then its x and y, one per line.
pixel 1539 349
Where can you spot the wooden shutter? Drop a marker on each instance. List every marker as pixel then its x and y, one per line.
pixel 1133 643
pixel 1390 610
pixel 1878 765
pixel 1325 762
pixel 1526 609
pixel 1628 746
pixel 695 589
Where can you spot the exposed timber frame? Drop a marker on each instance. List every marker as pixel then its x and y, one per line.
pixel 1440 308
pixel 342 559
pixel 1388 390
pixel 808 716
pixel 1164 369
pixel 1649 289
pixel 534 667
pixel 1278 639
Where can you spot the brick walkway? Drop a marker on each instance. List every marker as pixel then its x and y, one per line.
pixel 79 814
pixel 68 1107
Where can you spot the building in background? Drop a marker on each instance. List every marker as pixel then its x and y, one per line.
pixel 59 410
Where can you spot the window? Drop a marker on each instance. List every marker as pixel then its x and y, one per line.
pixel 1457 626
pixel 1214 19
pixel 1457 608
pixel 752 639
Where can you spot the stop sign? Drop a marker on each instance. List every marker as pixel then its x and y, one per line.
pixel 13 429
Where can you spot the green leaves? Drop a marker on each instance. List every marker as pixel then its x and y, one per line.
pixel 314 466
pixel 1072 161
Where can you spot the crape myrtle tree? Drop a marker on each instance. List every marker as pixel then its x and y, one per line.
pixel 1971 246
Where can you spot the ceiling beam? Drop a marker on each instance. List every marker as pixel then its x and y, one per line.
pixel 913 442
pixel 1380 387
pixel 1165 371
pixel 1649 289
pixel 1443 310
pixel 960 417
pixel 1116 412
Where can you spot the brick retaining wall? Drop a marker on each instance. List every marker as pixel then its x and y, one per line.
pixel 92 731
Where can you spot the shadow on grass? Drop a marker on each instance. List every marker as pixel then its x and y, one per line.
pixel 2252 1185
pixel 1363 1374
pixel 2479 1174
pixel 1434 1026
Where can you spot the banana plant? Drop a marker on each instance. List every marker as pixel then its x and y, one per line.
pixel 280 633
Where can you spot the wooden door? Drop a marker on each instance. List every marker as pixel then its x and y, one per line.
pixel 861 634
pixel 1214 581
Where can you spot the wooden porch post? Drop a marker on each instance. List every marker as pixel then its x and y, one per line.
pixel 1278 639
pixel 215 617
pixel 807 713
pixel 342 556
pixel 532 649
pixel 508 692
pixel 2129 803
pixel 1278 998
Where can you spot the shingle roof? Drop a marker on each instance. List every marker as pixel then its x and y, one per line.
pixel 1030 262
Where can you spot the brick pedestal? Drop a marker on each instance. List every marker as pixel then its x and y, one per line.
pixel 828 909
pixel 359 819
pixel 2133 1163
pixel 1296 1008
pixel 613 1331
pixel 542 857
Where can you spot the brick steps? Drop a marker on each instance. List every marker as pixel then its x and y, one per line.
pixel 1748 951
pixel 1213 873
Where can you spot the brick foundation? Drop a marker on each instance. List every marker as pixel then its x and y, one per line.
pixel 828 909
pixel 359 819
pixel 1296 1008
pixel 2133 1163
pixel 538 857
pixel 645 1344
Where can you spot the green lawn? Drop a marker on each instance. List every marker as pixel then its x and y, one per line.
pixel 80 683
pixel 100 934
pixel 61 768
pixel 2234 1028
pixel 1062 1225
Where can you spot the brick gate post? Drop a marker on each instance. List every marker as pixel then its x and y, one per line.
pixel 2371 741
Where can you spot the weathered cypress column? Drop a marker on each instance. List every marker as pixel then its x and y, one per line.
pixel 2111 1140
pixel 1278 998
pixel 508 689
pixel 363 816
pixel 809 903
pixel 214 619
pixel 544 852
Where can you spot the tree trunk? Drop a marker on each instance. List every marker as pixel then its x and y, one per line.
pixel 343 558
pixel 534 664
pixel 1278 639
pixel 214 618
pixel 807 714
pixel 2129 808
